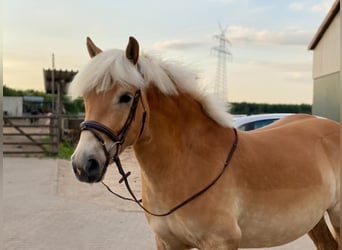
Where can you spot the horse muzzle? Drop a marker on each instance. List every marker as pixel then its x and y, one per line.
pixel 90 171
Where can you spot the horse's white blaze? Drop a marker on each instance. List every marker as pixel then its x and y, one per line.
pixel 88 148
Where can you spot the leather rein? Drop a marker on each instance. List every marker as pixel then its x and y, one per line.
pixel 119 139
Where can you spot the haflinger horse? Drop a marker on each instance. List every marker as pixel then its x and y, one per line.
pixel 204 184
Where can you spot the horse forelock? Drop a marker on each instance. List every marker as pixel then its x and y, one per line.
pixel 112 67
pixel 104 70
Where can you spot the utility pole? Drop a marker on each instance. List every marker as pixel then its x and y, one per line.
pixel 56 81
pixel 222 51
pixel 53 84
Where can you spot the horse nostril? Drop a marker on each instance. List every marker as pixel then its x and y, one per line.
pixel 89 171
pixel 92 168
pixel 77 171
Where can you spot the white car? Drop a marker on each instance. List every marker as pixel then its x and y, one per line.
pixel 252 122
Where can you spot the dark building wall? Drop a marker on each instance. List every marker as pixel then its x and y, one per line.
pixel 326 101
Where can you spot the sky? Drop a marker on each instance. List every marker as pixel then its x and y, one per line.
pixel 269 61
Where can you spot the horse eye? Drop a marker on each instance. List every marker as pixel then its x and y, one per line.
pixel 125 98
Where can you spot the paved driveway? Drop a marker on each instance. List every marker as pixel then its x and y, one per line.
pixel 46 208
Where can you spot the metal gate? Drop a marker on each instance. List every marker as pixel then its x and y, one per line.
pixel 30 135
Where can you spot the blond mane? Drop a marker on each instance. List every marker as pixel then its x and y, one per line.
pixel 112 67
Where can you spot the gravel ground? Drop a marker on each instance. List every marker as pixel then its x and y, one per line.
pixel 45 207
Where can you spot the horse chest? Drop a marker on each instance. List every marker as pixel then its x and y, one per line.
pixel 173 229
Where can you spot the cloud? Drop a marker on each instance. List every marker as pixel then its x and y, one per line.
pixel 292 69
pixel 242 34
pixel 223 1
pixel 322 6
pixel 296 6
pixel 299 76
pixel 177 44
pixel 299 72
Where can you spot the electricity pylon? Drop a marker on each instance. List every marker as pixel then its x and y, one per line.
pixel 222 51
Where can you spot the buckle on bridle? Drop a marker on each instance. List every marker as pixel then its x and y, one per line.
pixel 118 145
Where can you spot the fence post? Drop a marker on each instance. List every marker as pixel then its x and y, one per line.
pixel 59 109
pixel 54 134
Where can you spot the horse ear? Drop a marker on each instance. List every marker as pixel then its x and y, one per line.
pixel 132 50
pixel 92 49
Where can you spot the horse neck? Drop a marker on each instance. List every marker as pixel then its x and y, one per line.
pixel 181 137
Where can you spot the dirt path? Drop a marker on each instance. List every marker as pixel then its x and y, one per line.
pixel 45 207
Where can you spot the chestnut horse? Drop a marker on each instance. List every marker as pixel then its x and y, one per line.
pixel 233 189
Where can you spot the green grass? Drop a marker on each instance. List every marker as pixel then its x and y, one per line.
pixel 65 150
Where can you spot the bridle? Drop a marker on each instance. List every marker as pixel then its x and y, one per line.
pixel 119 139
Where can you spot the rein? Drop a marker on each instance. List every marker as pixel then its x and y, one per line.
pixel 119 139
pixel 188 200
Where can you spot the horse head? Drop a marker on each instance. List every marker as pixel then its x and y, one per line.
pixel 114 108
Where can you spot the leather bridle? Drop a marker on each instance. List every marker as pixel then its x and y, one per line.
pixel 119 139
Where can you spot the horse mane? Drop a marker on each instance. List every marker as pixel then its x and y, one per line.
pixel 112 67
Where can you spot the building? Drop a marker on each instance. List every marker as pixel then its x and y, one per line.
pixel 13 105
pixel 53 79
pixel 22 105
pixel 326 46
pixel 57 82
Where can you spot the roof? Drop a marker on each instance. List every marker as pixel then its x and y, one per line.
pixel 325 24
pixel 33 98
pixel 62 77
